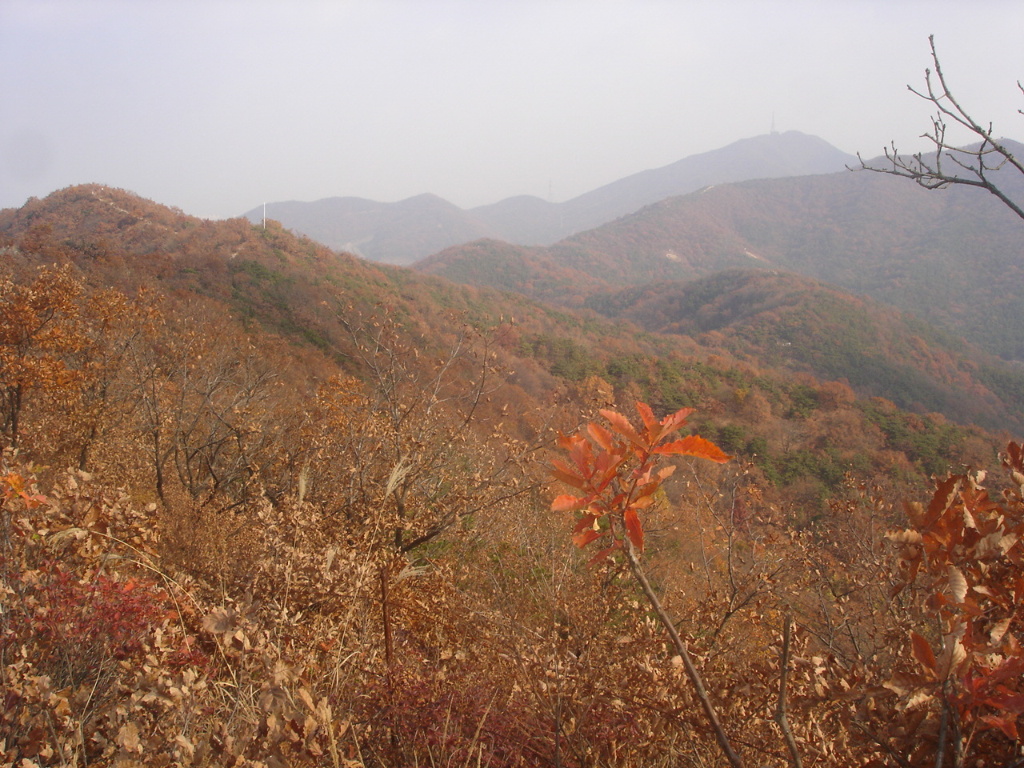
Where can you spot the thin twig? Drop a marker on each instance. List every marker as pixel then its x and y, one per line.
pixel 680 646
pixel 780 710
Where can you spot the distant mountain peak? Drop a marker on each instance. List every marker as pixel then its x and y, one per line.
pixel 408 230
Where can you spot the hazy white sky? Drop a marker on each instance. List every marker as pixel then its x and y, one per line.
pixel 216 106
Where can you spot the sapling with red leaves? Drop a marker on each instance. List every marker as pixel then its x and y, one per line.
pixel 617 471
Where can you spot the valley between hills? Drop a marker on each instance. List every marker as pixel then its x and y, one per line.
pixel 268 502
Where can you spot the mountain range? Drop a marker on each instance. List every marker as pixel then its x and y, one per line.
pixel 406 231
pixel 950 257
pixel 856 277
pixel 587 307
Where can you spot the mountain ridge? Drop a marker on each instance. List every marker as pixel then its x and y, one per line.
pixel 408 230
pixel 949 256
pixel 771 155
pixel 302 290
pixel 797 323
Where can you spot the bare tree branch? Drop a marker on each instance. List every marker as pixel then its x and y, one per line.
pixel 691 670
pixel 973 166
pixel 780 710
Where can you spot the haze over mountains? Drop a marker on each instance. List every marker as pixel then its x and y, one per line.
pixel 784 205
pixel 951 257
pixel 771 270
pixel 408 230
pixel 593 306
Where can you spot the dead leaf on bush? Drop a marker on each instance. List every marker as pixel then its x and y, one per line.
pixel 220 621
pixel 128 738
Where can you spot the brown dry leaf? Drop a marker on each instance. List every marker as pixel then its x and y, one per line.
pixel 273 699
pixel 220 621
pixel 957 584
pixel 59 701
pixel 1006 542
pixel 60 539
pixel 959 654
pixel 307 698
pixel 953 653
pixel 919 698
pixel 988 545
pixel 273 726
pixel 186 744
pixel 915 511
pixel 282 673
pixel 900 684
pixel 128 738
pixel 998 630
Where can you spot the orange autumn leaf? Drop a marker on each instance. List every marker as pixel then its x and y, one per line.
pixel 620 424
pixel 634 528
pixel 583 538
pixel 694 445
pixel 567 502
pixel 922 650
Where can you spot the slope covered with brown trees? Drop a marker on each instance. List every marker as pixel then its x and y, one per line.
pixel 266 504
pixel 950 257
pixel 790 322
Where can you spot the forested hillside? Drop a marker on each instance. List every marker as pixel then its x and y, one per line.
pixel 264 503
pixel 950 257
pixel 789 322
pixel 778 319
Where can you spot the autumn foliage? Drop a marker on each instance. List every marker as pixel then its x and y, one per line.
pixel 245 522
pixel 963 552
pixel 961 555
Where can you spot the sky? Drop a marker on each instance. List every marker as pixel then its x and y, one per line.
pixel 217 106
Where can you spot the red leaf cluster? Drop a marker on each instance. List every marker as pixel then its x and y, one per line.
pixel 616 471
